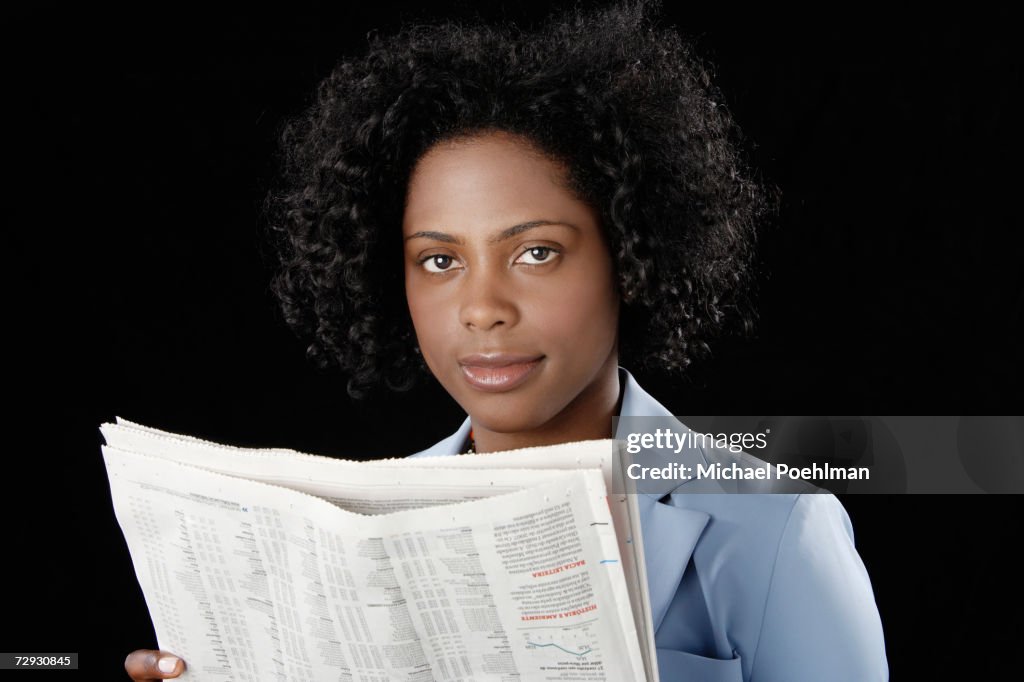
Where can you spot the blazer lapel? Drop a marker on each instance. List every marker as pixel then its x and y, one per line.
pixel 670 535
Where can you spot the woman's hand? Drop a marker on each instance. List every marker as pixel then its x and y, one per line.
pixel 143 665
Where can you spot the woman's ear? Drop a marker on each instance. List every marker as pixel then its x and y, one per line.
pixel 627 294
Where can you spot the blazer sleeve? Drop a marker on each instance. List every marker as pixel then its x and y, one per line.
pixel 820 620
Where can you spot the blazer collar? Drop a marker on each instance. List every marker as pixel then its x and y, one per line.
pixel 452 445
pixel 670 533
pixel 636 402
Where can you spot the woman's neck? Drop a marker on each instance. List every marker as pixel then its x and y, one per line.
pixel 587 417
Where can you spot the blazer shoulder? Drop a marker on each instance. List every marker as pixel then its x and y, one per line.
pixel 785 586
pixel 820 618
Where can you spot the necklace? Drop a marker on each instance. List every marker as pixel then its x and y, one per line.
pixel 472 445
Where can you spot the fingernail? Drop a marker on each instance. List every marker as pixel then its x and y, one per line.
pixel 167 664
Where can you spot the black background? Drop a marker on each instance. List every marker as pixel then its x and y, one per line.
pixel 892 281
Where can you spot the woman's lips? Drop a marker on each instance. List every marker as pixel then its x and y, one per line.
pixel 497 374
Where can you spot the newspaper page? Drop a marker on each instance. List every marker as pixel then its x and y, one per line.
pixel 356 486
pixel 254 581
pixel 624 508
pixel 407 488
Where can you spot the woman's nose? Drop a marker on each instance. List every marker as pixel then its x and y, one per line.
pixel 488 303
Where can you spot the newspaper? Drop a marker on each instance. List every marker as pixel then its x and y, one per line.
pixel 261 564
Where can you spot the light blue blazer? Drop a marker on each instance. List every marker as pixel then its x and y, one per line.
pixel 755 587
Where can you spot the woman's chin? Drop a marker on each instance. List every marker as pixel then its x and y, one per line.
pixel 508 419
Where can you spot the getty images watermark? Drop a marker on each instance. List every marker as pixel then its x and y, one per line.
pixel 819 454
pixel 735 469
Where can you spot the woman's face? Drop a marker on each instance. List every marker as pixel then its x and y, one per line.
pixel 509 283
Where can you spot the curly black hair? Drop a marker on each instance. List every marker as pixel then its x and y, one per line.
pixel 624 104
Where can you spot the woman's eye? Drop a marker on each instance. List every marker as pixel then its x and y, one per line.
pixel 538 255
pixel 438 263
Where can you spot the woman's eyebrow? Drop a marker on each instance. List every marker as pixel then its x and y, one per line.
pixel 507 233
pixel 510 232
pixel 436 236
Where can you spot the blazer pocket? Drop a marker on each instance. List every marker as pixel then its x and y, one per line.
pixel 680 666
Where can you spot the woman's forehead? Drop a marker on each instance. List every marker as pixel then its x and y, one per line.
pixel 492 178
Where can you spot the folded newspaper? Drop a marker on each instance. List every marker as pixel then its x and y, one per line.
pixel 261 564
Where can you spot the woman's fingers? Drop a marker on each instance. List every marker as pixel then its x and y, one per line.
pixel 146 664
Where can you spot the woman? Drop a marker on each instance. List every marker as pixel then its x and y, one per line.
pixel 560 200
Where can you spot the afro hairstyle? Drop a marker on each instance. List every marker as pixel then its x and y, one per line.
pixel 622 103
